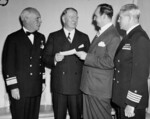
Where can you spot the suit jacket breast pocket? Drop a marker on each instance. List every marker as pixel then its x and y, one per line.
pixel 100 51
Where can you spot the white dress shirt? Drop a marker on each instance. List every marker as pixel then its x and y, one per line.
pixel 71 34
pixel 104 28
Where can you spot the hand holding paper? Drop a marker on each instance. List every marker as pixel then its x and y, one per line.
pixel 59 57
pixel 81 54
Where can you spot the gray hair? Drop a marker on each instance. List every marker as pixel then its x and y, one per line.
pixel 132 10
pixel 26 12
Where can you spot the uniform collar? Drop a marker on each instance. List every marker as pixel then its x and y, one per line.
pixel 131 28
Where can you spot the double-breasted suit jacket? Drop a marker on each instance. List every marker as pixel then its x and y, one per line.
pixel 65 75
pixel 98 66
pixel 22 63
pixel 132 63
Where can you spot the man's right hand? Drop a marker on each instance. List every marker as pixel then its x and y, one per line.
pixel 58 57
pixel 15 93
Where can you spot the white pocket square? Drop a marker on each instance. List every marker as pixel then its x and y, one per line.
pixel 101 44
pixel 81 46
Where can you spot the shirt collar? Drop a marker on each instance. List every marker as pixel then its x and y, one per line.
pixel 104 28
pixel 66 32
pixel 25 30
pixel 130 29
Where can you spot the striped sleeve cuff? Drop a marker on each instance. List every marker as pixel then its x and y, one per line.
pixel 134 97
pixel 11 81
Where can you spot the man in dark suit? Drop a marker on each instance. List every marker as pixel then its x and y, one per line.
pixel 97 77
pixel 132 62
pixel 23 68
pixel 66 67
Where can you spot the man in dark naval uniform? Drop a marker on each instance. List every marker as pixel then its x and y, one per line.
pixel 132 62
pixel 23 68
pixel 66 67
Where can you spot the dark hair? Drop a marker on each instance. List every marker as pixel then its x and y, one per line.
pixel 65 12
pixel 106 9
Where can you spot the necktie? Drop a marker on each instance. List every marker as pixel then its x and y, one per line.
pixel 69 37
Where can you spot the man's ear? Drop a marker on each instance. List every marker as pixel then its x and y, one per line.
pixel 104 16
pixel 63 19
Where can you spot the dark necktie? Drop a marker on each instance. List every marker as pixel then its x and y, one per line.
pixel 69 37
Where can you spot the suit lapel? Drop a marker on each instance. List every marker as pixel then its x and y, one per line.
pixel 63 41
pixel 75 39
pixel 96 40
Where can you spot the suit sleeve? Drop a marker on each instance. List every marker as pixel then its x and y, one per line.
pixel 87 43
pixel 9 66
pixel 140 71
pixel 105 62
pixel 48 56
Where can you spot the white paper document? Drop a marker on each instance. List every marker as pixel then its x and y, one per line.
pixel 69 52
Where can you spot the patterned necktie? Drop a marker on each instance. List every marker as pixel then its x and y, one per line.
pixel 69 37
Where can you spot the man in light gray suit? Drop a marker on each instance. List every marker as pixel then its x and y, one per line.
pixel 96 82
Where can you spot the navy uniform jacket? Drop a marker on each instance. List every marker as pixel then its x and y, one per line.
pixel 22 66
pixel 65 75
pixel 132 63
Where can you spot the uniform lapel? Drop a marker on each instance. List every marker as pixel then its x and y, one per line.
pixel 75 39
pixel 126 39
pixel 26 41
pixel 37 45
pixel 121 44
